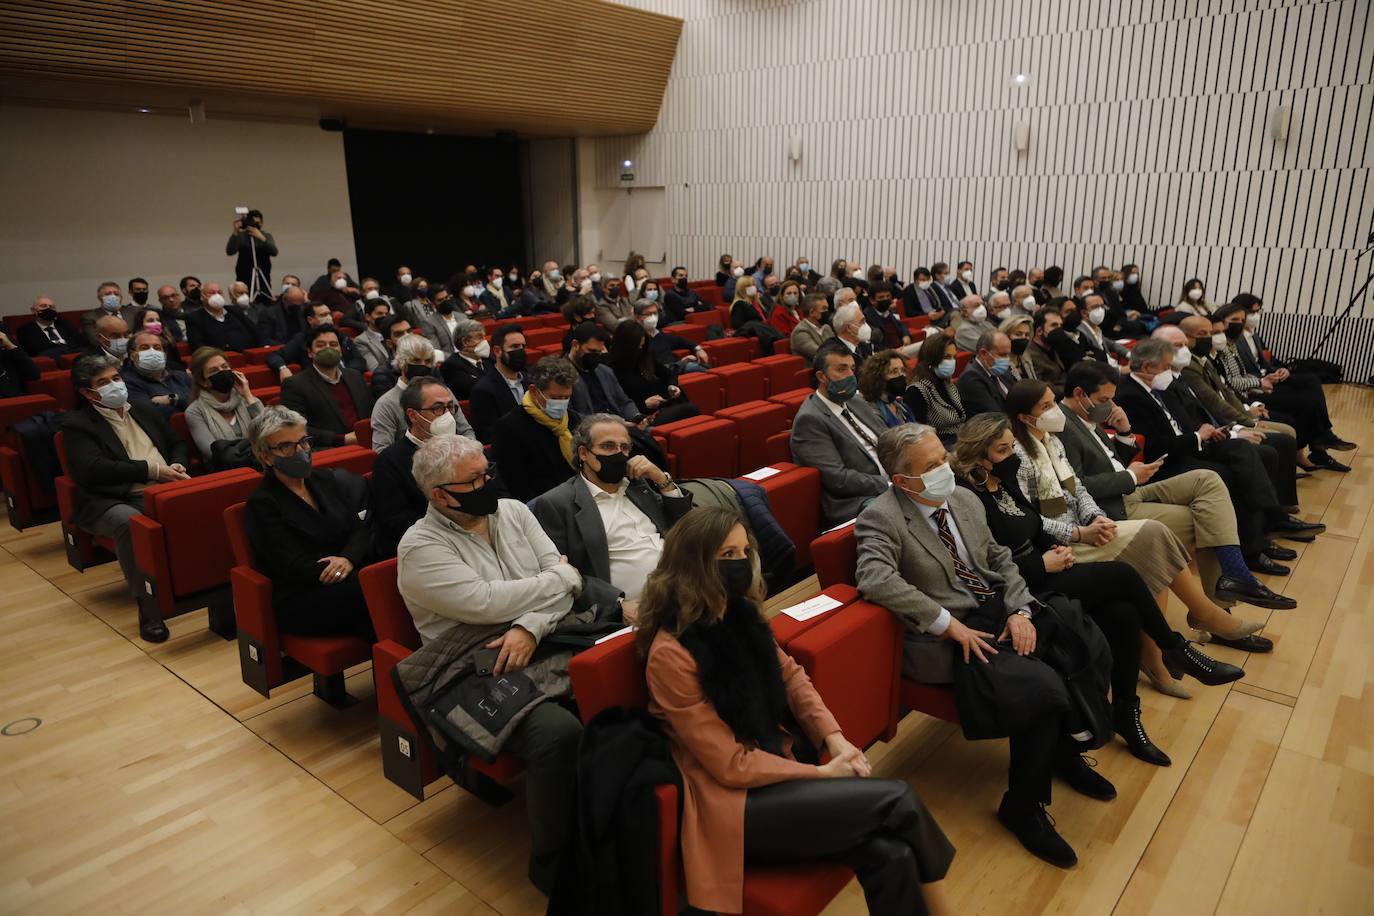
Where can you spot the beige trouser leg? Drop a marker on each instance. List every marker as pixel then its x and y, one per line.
pixel 1197 508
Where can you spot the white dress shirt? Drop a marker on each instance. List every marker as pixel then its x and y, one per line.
pixel 838 410
pixel 632 539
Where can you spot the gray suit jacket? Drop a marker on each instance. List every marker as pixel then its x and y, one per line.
pixel 849 476
pixel 806 339
pixel 436 330
pixel 373 351
pixel 906 568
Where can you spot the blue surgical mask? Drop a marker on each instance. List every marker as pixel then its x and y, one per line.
pixel 109 302
pixel 652 295
pixel 119 346
pixel 945 369
pixel 1001 364
pixel 113 395
pixel 556 408
pixel 151 360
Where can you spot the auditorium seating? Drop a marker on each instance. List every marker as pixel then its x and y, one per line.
pixel 409 758
pixel 26 500
pixel 785 372
pixel 83 548
pixel 703 389
pixel 794 495
pixel 728 350
pixel 742 382
pixel 699 446
pixel 363 430
pixel 755 422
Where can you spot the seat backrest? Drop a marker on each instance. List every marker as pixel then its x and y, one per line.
pixel 59 446
pixel 795 498
pixel 611 674
pixel 363 430
pixel 854 659
pixel 236 525
pixel 390 616
pixel 14 410
pixel 836 556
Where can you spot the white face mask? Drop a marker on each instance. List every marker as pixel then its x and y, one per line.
pixel 650 322
pixel 585 286
pixel 496 282
pixel 445 425
pixel 1097 315
pixel 285 287
pixel 1051 421
pixel 1183 358
pixel 738 271
pixel 1028 303
pixel 596 278
pixel 924 284
pixel 1118 285
pixel 372 294
pixel 966 276
pixel 242 299
pixel 1132 279
pixel 482 350
pixel 978 314
pixel 939 483
pixel 1251 322
pixel 216 300
pixel 1195 294
pixel 340 283
pixel 472 292
pixel 865 333
pixel 1163 380
pixel 1219 342
pixel 405 279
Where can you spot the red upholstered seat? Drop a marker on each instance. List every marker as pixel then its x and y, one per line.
pixel 257 356
pixel 782 347
pixel 705 319
pixel 704 389
pixel 545 337
pixel 792 890
pixel 57 385
pixel 915 324
pixel 260 376
pixel 792 400
pixel 743 382
pixel 932 699
pixel 755 422
pixel 779 447
pixel 363 430
pixel 269 395
pixel 836 555
pixel 700 446
pixel 961 359
pixel 729 350
pixel 696 333
pixel 786 628
pixel 794 495
pixel 83 548
pixel 854 656
pixel 785 372
pixel 24 497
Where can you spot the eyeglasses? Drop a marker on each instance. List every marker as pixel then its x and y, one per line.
pixel 437 409
pixel 477 482
pixel 287 449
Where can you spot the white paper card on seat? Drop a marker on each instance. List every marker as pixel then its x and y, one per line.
pixel 761 473
pixel 812 608
pixel 609 636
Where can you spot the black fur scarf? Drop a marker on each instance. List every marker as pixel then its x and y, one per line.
pixel 737 661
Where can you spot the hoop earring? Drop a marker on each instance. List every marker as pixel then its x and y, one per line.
pixel 978 471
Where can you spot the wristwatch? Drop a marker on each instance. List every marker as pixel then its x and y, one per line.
pixel 668 483
pixel 1024 613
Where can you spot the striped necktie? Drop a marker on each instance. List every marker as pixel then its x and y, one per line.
pixel 972 581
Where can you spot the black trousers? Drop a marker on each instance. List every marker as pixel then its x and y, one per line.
pixel 878 827
pixel 1119 602
pixel 327 610
pixel 1279 455
pixel 1301 403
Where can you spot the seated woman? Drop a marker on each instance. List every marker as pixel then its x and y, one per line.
pixel 310 531
pixel 222 408
pixel 786 315
pixel 735 708
pixel 1070 516
pixel 648 382
pixel 1193 300
pixel 882 382
pixel 932 396
pixel 151 379
pixel 1019 329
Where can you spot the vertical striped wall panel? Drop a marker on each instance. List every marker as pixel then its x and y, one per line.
pixel 1151 126
pixel 551 193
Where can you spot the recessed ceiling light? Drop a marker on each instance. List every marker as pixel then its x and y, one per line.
pixel 627 163
pixel 144 110
pixel 1021 79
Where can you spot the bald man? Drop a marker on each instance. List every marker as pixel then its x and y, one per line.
pixel 48 334
pixel 169 304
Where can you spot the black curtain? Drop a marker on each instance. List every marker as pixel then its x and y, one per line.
pixel 433 202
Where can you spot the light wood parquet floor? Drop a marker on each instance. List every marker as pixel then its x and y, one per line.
pixel 159 783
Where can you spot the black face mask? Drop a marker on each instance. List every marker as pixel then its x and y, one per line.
pixel 141 297
pixel 418 370
pixel 223 381
pixel 1018 346
pixel 1005 470
pixel 1202 347
pixel 193 294
pixel 1072 320
pixel 682 283
pixel 47 314
pixel 514 360
pixel 612 470
pixel 481 501
pixel 1234 331
pixel 737 575
pixel 592 359
pixel 445 307
pixel 896 386
pixel 882 305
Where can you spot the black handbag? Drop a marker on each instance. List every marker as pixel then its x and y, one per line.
pixel 1080 653
pixel 228 454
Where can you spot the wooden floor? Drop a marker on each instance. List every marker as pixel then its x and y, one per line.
pixel 158 783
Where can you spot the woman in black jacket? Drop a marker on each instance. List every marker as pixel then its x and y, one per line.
pixel 311 532
pixel 1111 593
pixel 649 383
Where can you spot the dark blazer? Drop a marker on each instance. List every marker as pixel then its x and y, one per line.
pixel 235 332
pixel 979 391
pixel 1106 485
pixel 89 318
pixel 35 340
pixel 289 537
pixel 397 500
pixel 743 312
pixel 462 376
pixel 1049 365
pixel 176 383
pixel 887 332
pixel 100 466
pixel 569 516
pixel 528 455
pixel 582 402
pixel 960 289
pixel 490 400
pixel 1150 420
pixel 294 352
pixel 307 393
pixel 17 369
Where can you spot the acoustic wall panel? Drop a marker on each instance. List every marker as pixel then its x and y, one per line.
pixel 1152 141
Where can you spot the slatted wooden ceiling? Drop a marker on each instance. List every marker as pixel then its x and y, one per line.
pixel 538 67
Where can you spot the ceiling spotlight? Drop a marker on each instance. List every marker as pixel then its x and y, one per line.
pixel 1021 79
pixel 628 163
pixel 144 110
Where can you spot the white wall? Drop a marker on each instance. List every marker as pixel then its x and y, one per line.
pixel 1150 141
pixel 92 196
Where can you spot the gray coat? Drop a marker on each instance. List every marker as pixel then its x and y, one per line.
pixel 436 330
pixel 905 567
pixel 849 475
pixel 373 350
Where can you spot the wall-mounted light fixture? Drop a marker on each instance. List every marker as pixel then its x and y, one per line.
pixel 1020 134
pixel 1282 120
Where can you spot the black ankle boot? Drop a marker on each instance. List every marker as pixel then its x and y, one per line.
pixel 1034 828
pixel 1184 659
pixel 1130 728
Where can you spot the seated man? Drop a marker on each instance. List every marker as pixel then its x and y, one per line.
pixel 887 325
pixel 394 328
pixel 1194 505
pixel 111 338
pixel 369 341
pixel 597 389
pixel 680 299
pixel 837 434
pixel 1091 336
pixel 110 297
pixel 444 327
pixel 48 334
pixel 610 520
pixel 475 561
pixel 532 443
pixel 115 450
pixel 1175 432
pixel 1045 359
pixel 297 351
pixel 221 325
pixel 280 318
pixel 414 359
pixel 501 389
pixel 851 330
pixel 17 369
pixel 469 360
pixel 812 331
pixel 985 381
pixel 330 397
pixel 975 322
pixel 927 555
pixel 150 380
pixel 431 410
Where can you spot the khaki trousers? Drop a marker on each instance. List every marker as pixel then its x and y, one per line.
pixel 1197 508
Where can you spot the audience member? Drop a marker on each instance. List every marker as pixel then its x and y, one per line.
pixel 331 397
pixel 469 360
pixel 394 329
pixel 297 349
pixel 882 384
pixel 481 563
pixel 885 322
pixel 111 336
pixel 961 284
pixel 1045 360
pixel 644 380
pixel 400 290
pixel 1193 300
pixel 984 383
pixel 370 341
pixel 681 300
pixel 431 410
pixel 664 344
pixel 110 299
pixel 502 388
pixel 597 390
pixel 920 298
pixel 444 323
pixel 974 323
pixel 310 530
pixel 1090 333
pixel 727 695
pixel 173 309
pixel 115 449
pixel 837 434
pixel 150 380
pixel 220 410
pixel 150 320
pixel 414 360
pixel 614 308
pixel 17 369
pixel 933 396
pixel 533 442
pixel 220 325
pixel 48 334
pixel 811 331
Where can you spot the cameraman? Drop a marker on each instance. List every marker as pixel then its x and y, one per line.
pixel 255 249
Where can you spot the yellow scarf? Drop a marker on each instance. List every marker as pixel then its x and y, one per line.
pixel 559 426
